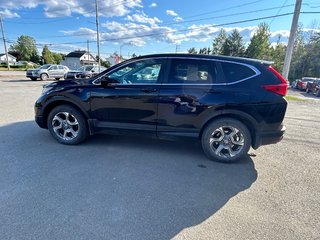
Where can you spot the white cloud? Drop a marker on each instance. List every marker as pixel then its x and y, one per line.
pixel 54 8
pixel 8 14
pixel 171 13
pixel 152 5
pixel 178 19
pixel 142 18
pixel 139 34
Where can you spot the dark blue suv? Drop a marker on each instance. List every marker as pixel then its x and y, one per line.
pixel 229 104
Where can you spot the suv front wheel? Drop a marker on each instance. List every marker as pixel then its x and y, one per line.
pixel 226 140
pixel 67 125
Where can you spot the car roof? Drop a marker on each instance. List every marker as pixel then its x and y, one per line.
pixel 203 56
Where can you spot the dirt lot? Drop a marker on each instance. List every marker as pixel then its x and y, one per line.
pixel 136 188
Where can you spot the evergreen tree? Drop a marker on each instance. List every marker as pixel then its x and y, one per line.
pixel 278 53
pixel 218 42
pixel 233 45
pixel 48 56
pixel 192 51
pixel 259 46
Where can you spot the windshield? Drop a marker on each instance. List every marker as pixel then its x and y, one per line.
pixel 46 66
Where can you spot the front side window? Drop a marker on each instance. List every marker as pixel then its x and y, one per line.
pixel 46 66
pixel 141 72
pixel 53 68
pixel 189 71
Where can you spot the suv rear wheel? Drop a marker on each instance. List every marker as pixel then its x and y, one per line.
pixel 67 125
pixel 226 140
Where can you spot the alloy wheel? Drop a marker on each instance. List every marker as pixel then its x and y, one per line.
pixel 65 125
pixel 226 141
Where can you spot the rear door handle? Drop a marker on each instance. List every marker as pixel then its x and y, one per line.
pixel 149 90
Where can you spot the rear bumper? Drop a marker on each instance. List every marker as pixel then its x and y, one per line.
pixel 270 137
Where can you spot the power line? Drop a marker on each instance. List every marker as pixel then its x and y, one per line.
pixel 185 30
pixel 176 31
pixel 174 23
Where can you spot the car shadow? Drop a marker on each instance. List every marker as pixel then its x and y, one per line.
pixel 110 187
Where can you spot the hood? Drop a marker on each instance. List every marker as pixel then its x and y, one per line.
pixel 65 83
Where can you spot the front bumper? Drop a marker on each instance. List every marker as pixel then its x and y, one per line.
pixel 32 75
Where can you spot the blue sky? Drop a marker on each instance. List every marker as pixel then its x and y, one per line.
pixel 145 26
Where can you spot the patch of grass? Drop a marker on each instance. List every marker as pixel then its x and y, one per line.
pixel 12 69
pixel 294 98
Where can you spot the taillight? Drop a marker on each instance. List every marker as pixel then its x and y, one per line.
pixel 280 88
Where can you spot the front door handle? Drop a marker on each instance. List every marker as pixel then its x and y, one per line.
pixel 149 90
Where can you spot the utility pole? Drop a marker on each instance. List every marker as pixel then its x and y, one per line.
pixel 4 43
pixel 98 40
pixel 88 50
pixel 177 47
pixel 294 25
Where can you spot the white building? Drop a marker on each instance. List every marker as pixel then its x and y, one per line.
pixel 3 59
pixel 77 59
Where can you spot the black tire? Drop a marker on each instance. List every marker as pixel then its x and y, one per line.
pixel 234 146
pixel 44 77
pixel 33 79
pixel 318 93
pixel 307 90
pixel 77 124
pixel 57 79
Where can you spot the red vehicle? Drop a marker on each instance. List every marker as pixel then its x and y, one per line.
pixel 302 83
pixel 314 87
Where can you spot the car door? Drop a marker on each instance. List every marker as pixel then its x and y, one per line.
pixel 61 71
pixel 183 96
pixel 131 101
pixel 53 71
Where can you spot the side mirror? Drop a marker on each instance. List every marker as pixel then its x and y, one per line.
pixel 107 82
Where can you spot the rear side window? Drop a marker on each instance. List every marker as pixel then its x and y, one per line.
pixel 189 71
pixel 234 72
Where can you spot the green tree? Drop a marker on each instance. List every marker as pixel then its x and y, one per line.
pixel 205 50
pixel 259 46
pixel 57 57
pixel 218 42
pixel 25 48
pixel 278 53
pixel 47 56
pixel 233 45
pixel 192 51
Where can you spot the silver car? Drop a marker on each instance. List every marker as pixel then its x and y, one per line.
pixel 86 71
pixel 47 71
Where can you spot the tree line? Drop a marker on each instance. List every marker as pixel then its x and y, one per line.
pixel 305 58
pixel 25 49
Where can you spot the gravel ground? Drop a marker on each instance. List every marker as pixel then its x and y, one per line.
pixel 136 188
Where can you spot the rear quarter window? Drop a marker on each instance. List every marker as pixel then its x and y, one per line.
pixel 234 72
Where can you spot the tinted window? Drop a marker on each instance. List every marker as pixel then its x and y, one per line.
pixel 145 71
pixel 234 72
pixel 53 68
pixel 192 71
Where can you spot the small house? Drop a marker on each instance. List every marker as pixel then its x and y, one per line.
pixel 76 59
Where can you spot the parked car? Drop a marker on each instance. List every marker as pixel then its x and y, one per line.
pixel 294 84
pixel 86 71
pixel 302 83
pixel 47 71
pixel 230 104
pixel 313 87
